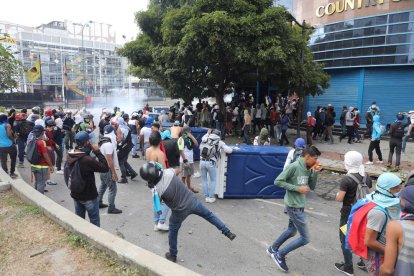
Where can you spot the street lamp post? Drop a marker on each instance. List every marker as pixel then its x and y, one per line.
pixel 84 59
pixel 301 94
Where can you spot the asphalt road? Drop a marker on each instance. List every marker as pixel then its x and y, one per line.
pixel 204 249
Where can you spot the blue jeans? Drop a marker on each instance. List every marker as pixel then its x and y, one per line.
pixel 134 138
pixel 107 182
pixel 246 137
pixel 297 222
pixel 405 140
pixel 21 144
pixel 210 168
pixel 177 219
pixel 90 206
pixel 164 213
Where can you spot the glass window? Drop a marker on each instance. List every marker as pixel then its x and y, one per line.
pixel 356 42
pixel 356 52
pixel 379 40
pixel 399 28
pixel 380 30
pixel 367 41
pixel 347 53
pixel 349 24
pixel 395 39
pixel 348 34
pixel 377 60
pixel 402 49
pixel 355 62
pixel 358 32
pixel 401 59
pixel 399 17
pixel 329 54
pixel 368 31
pixel 388 60
pixel 380 20
pixel 339 35
pixel 390 50
pixel 346 62
pixel 378 50
pixel 322 47
pixel 365 61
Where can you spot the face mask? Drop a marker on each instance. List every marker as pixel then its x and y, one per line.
pixel 86 149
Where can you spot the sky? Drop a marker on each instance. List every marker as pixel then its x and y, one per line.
pixel 118 13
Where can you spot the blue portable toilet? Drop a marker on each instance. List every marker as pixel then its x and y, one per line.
pixel 198 133
pixel 252 170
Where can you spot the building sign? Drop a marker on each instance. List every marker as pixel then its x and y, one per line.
pixel 344 5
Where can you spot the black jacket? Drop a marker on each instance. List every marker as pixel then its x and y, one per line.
pixel 88 167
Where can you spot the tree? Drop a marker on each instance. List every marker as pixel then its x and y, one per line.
pixel 204 47
pixel 10 69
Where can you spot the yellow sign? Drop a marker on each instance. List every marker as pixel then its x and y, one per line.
pixel 344 5
pixel 34 73
pixel 8 40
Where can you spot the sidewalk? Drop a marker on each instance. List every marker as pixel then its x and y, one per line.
pixel 333 155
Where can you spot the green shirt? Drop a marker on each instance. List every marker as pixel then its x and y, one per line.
pixel 294 176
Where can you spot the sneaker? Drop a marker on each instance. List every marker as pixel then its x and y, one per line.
pixel 380 162
pixel 230 235
pixel 196 175
pixel 280 262
pixel 135 156
pixel 389 165
pixel 20 165
pixel 50 182
pixel 102 205
pixel 270 251
pixel 123 181
pixel 170 257
pixel 114 211
pixel 59 172
pixel 341 267
pixel 156 228
pixel 13 175
pixel 162 226
pixel 133 175
pixel 369 163
pixel 361 265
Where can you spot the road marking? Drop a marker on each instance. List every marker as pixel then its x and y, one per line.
pixel 283 205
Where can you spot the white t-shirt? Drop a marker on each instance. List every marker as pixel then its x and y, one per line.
pixel 146 132
pixel 189 154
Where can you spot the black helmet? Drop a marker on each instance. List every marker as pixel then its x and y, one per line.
pixel 400 116
pixel 151 172
pixel 125 116
pixel 50 122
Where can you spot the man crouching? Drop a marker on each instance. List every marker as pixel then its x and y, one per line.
pixel 181 201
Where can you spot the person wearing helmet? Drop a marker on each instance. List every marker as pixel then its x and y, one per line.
pixel 396 133
pixel 34 115
pixel 68 124
pixel 166 186
pixel 105 120
pixel 7 146
pixel 296 152
pixel 87 199
pixel 410 132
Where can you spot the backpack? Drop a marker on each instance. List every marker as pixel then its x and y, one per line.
pixel 25 128
pixel 32 153
pixel 73 177
pixel 296 154
pixel 362 188
pixel 210 149
pixel 398 130
pixel 357 225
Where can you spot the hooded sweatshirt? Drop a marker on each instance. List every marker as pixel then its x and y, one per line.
pixel 88 166
pixel 376 129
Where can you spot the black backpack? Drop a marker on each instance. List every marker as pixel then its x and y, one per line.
pixel 25 128
pixel 73 177
pixel 32 154
pixel 398 130
pixel 362 188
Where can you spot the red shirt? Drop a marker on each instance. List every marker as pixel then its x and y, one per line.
pixel 41 149
pixel 49 135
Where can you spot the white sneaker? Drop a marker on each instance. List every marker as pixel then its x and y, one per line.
pixel 156 228
pixel 380 162
pixel 369 163
pixel 207 199
pixel 59 172
pixel 196 175
pixel 212 200
pixel 163 227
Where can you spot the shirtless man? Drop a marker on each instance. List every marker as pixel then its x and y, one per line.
pixel 176 130
pixel 154 153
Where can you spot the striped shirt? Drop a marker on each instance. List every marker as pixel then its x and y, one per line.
pixel 405 261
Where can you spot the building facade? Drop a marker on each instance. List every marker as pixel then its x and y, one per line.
pixel 367 47
pixel 67 59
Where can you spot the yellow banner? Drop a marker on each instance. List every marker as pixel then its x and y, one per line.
pixel 8 40
pixel 34 73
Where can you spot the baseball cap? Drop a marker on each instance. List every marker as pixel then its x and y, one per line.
pixel 38 128
pixel 81 137
pixel 149 122
pixel 300 143
pixel 108 129
pixel 176 123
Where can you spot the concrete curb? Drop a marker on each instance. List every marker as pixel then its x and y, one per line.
pixel 123 250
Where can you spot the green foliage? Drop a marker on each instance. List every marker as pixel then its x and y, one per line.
pixel 10 69
pixel 205 48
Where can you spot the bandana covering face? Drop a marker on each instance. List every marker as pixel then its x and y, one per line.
pixel 353 163
pixel 382 196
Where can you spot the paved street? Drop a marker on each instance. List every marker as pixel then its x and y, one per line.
pixel 256 222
